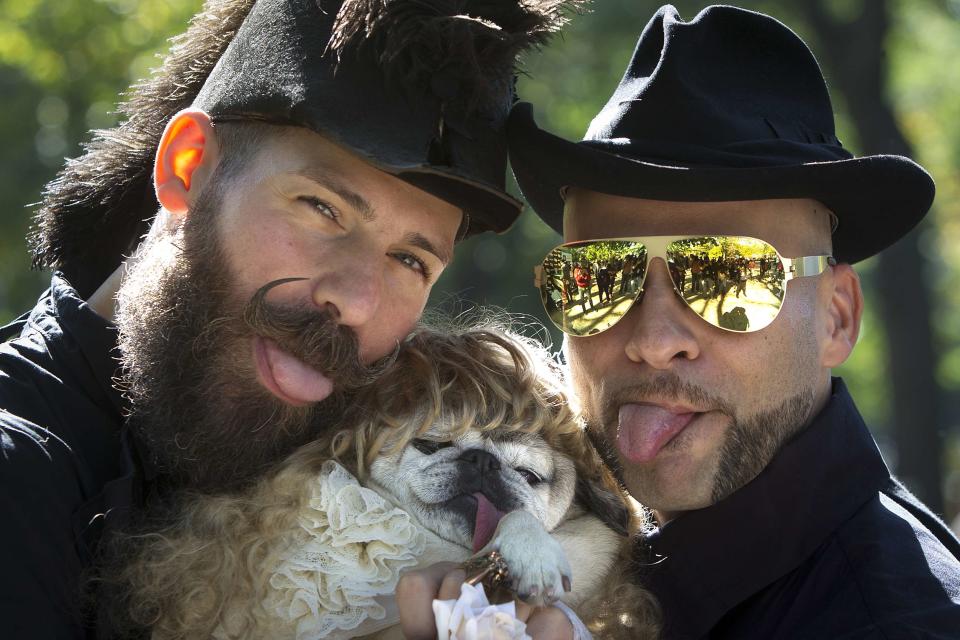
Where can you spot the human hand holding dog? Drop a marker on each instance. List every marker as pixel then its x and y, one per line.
pixel 417 590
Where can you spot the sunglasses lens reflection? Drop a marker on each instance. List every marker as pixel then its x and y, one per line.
pixel 587 287
pixel 731 282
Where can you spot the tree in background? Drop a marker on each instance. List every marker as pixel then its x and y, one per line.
pixel 854 44
pixel 891 68
pixel 62 66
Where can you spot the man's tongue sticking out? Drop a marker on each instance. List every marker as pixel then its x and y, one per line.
pixel 645 429
pixel 289 378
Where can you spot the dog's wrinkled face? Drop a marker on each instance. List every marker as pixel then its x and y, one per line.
pixel 460 488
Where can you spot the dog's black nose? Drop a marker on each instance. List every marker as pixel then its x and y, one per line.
pixel 484 461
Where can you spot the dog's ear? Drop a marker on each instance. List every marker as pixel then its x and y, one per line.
pixel 606 504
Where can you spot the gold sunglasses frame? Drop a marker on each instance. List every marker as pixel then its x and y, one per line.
pixel 656 247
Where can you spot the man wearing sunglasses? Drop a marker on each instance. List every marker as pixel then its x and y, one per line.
pixel 715 170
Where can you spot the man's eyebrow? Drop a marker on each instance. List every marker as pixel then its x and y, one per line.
pixel 349 196
pixel 421 241
pixel 358 202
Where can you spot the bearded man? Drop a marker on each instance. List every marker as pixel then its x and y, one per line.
pixel 313 163
pixel 777 516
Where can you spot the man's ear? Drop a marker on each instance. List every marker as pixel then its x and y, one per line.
pixel 843 314
pixel 186 157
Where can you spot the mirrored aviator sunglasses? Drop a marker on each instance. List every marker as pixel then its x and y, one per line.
pixel 735 283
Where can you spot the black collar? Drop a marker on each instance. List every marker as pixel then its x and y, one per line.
pixel 708 561
pixel 95 337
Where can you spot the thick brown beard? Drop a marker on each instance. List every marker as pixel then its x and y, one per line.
pixel 186 350
pixel 750 443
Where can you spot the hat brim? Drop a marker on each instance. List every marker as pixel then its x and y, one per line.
pixel 485 208
pixel 877 199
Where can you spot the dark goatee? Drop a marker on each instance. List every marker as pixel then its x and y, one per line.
pixel 749 444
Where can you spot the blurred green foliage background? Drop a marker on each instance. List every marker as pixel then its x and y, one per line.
pixel 63 64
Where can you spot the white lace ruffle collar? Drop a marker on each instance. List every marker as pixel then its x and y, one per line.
pixel 338 579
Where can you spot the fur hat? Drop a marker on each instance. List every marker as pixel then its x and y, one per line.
pixel 419 88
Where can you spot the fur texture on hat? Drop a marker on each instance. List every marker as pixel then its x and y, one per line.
pixel 466 37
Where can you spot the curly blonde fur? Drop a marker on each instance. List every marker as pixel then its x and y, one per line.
pixel 182 580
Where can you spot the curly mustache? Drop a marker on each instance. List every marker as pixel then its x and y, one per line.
pixel 314 337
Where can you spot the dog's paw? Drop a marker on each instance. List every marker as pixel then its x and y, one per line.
pixel 539 571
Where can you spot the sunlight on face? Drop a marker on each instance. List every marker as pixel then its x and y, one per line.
pixel 368 244
pixel 664 388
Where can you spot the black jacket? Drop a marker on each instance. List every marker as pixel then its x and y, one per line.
pixel 822 544
pixel 64 471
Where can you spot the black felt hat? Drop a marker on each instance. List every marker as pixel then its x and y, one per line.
pixel 729 106
pixel 419 88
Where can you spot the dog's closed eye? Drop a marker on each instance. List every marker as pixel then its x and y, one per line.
pixel 531 477
pixel 429 447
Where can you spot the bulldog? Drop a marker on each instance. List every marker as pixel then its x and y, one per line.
pixel 508 491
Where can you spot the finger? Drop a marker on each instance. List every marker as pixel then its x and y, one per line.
pixel 523 610
pixel 549 622
pixel 450 587
pixel 415 592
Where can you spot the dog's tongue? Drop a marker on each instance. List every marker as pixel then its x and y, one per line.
pixel 297 380
pixel 488 516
